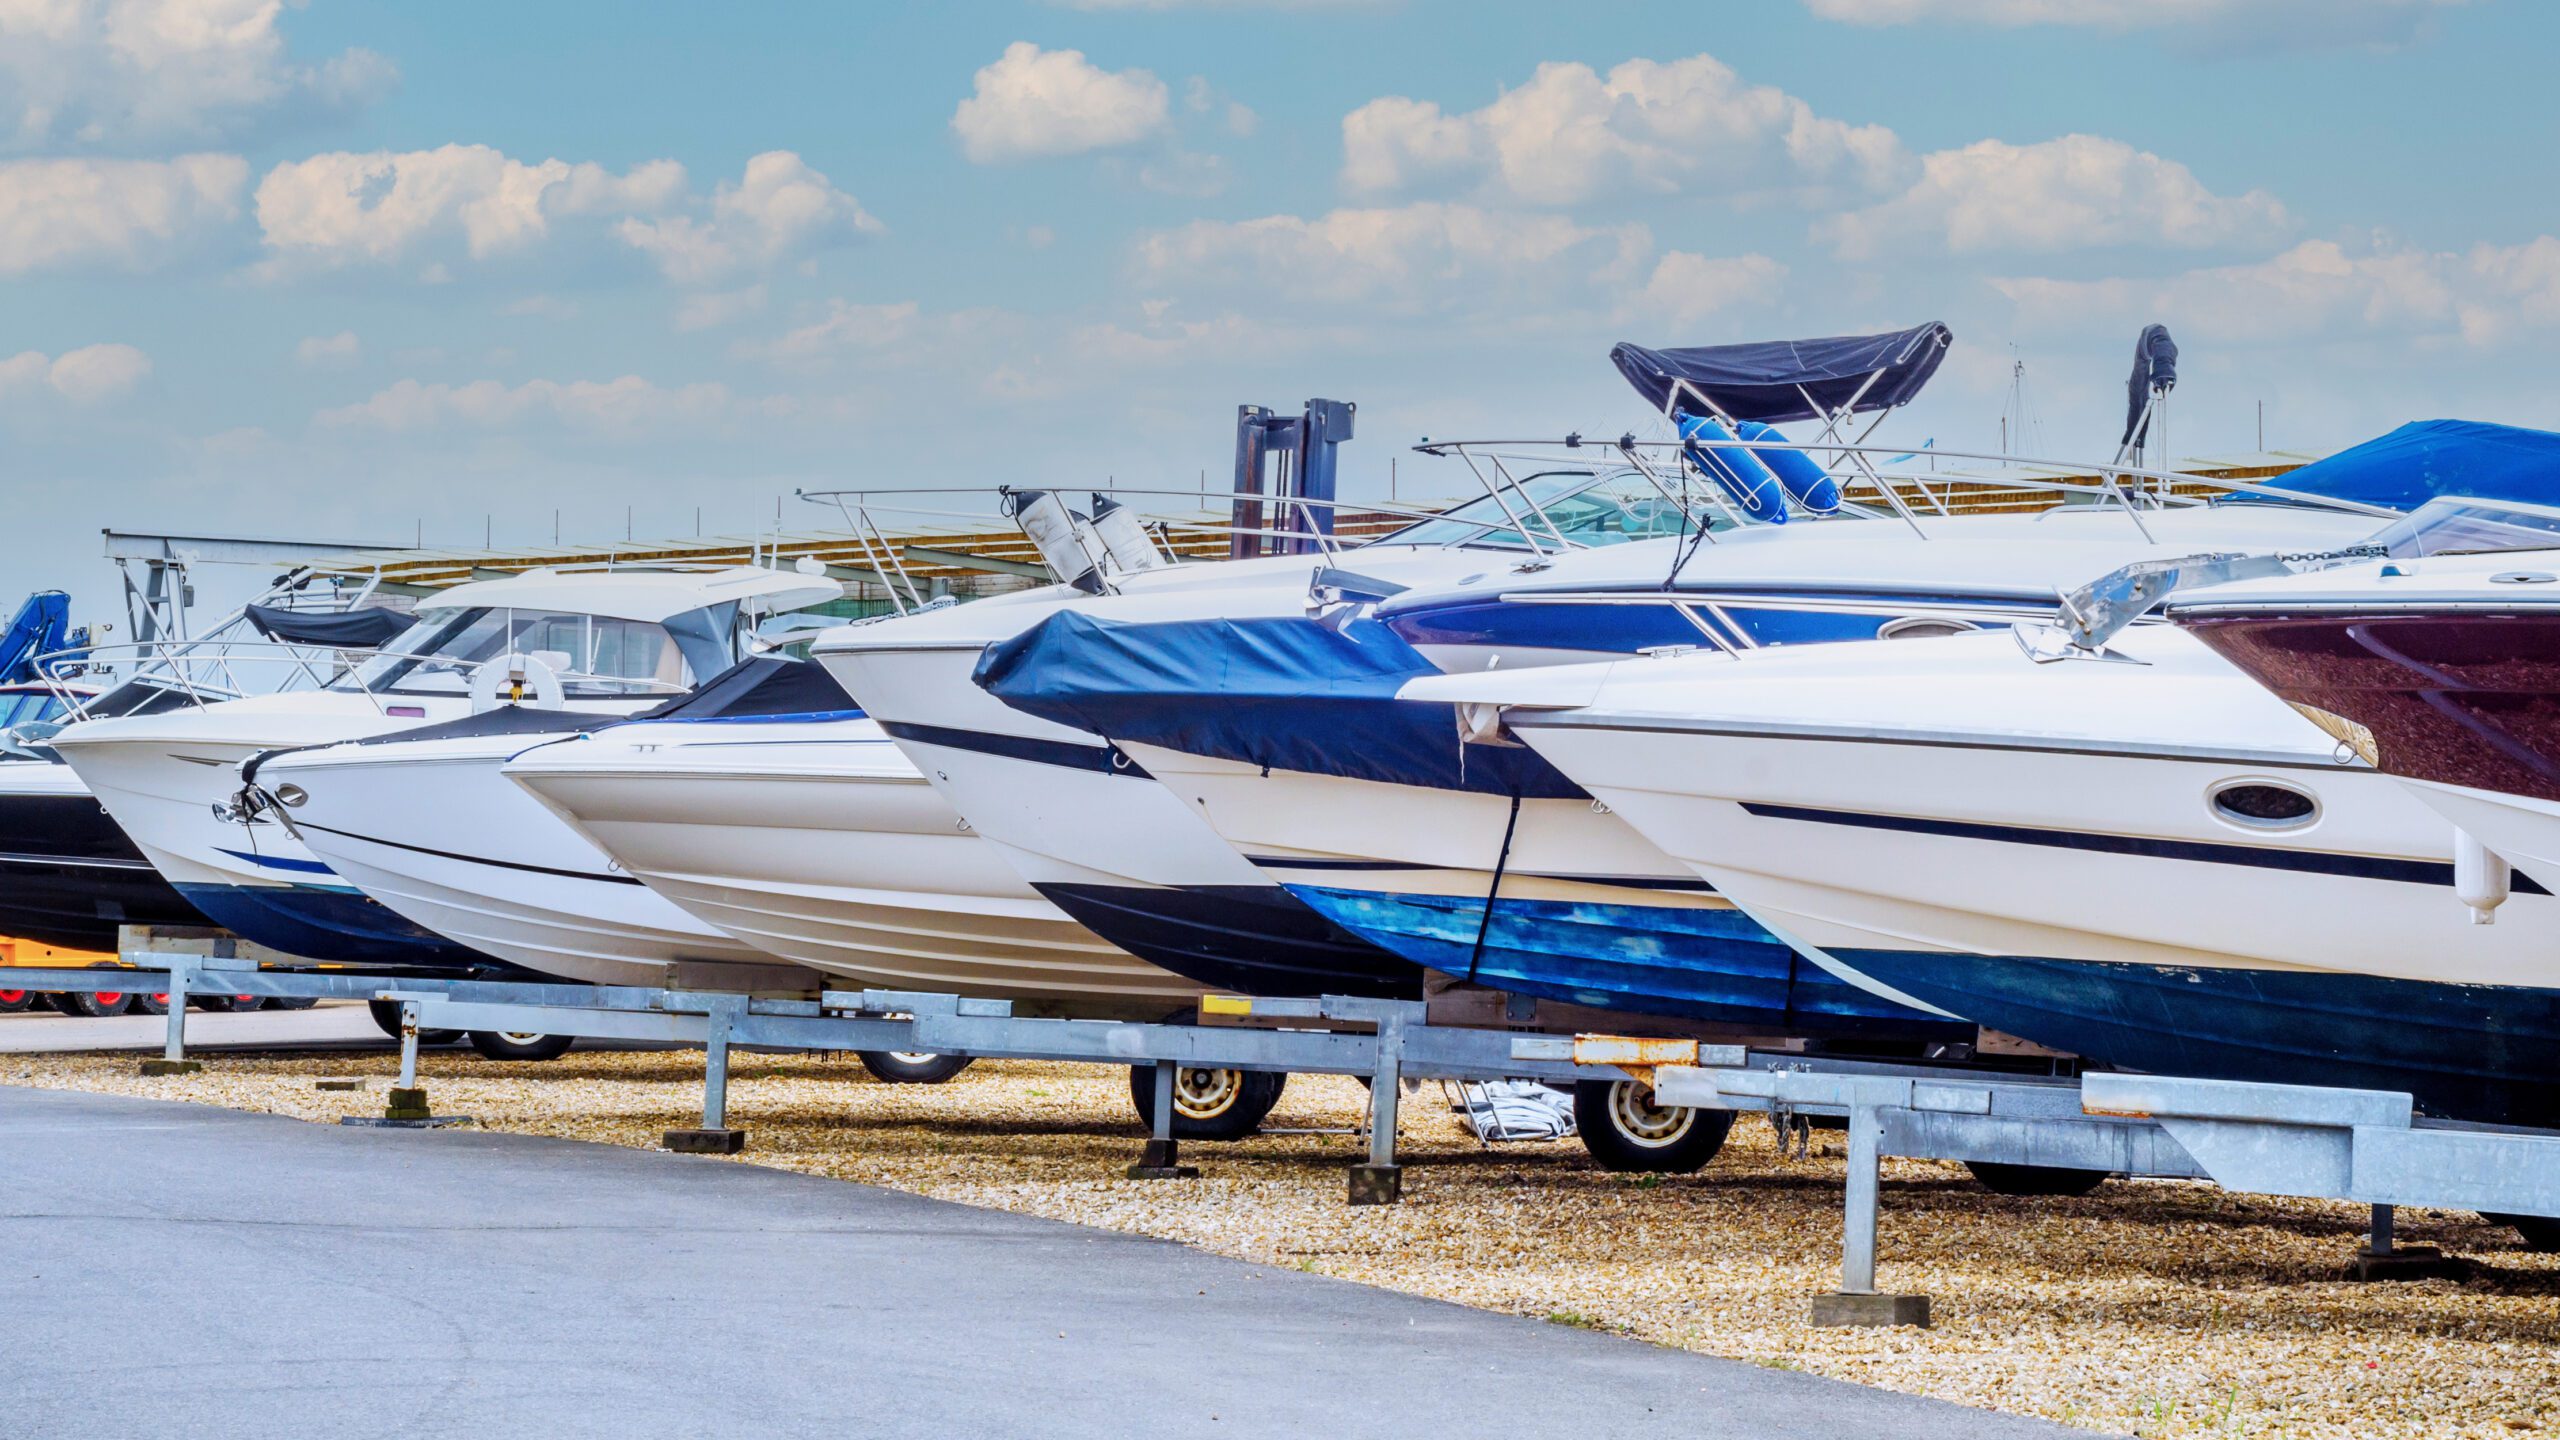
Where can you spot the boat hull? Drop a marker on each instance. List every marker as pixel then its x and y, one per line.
pixel 68 875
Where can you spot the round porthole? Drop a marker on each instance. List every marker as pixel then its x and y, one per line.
pixel 1922 627
pixel 2257 804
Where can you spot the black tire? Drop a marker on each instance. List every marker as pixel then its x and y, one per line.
pixel 13 1001
pixel 1209 1103
pixel 498 1046
pixel 901 1067
pixel 386 1018
pixel 148 1005
pixel 1625 1131
pixel 291 1002
pixel 95 1004
pixel 223 1004
pixel 2048 1180
pixel 2541 1233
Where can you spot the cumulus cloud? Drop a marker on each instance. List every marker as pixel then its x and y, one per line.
pixel 712 309
pixel 384 206
pixel 627 406
pixel 777 210
pixel 1426 255
pixel 117 73
pixel 1686 287
pixel 2075 192
pixel 85 376
pixel 1572 134
pixel 125 214
pixel 1031 103
pixel 2319 291
pixel 2285 24
pixel 843 326
pixel 329 352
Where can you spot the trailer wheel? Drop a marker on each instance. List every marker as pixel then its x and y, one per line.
pixel 223 1004
pixel 2035 1179
pixel 1209 1104
pixel 13 1001
pixel 386 1018
pixel 154 1004
pixel 1625 1129
pixel 94 1004
pixel 912 1067
pixel 2541 1232
pixel 292 1002
pixel 509 1045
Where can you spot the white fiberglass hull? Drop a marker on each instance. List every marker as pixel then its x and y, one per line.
pixel 819 843
pixel 433 830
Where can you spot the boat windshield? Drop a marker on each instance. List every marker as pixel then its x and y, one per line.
pixel 2461 525
pixel 1582 507
pixel 597 657
pixel 20 707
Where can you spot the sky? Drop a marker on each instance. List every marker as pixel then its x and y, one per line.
pixel 380 273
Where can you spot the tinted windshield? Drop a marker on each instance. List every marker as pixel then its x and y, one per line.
pixel 2453 525
pixel 18 707
pixel 595 656
pixel 1585 507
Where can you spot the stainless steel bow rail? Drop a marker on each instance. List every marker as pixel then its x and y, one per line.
pixel 2362 1146
pixel 1385 1041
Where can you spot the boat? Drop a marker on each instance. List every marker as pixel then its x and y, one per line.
pixel 816 841
pixel 2440 666
pixel 606 640
pixel 2142 858
pixel 68 875
pixel 425 822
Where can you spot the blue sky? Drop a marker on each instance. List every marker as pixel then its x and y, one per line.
pixel 366 271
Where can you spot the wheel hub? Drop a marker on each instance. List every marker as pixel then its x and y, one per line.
pixel 1635 1113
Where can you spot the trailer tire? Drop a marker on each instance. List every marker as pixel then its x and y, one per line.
pixel 2031 1180
pixel 2541 1233
pixel 386 1018
pixel 94 1004
pixel 911 1067
pixel 13 1001
pixel 1626 1131
pixel 292 1002
pixel 149 1004
pixel 1209 1103
pixel 499 1045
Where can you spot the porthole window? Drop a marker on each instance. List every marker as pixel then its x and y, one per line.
pixel 2263 805
pixel 1922 627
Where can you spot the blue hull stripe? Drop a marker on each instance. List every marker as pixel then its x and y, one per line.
pixel 2468 1052
pixel 1108 759
pixel 280 862
pixel 2360 867
pixel 327 924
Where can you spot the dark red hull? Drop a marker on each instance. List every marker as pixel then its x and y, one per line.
pixel 2460 698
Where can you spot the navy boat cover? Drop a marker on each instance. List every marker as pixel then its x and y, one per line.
pixel 760 687
pixel 2427 458
pixel 1283 692
pixel 1767 381
pixel 367 629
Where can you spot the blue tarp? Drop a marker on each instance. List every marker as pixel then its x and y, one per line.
pixel 2427 458
pixel 1283 692
pixel 1768 380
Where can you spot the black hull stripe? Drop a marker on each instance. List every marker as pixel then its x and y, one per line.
pixel 1624 882
pixel 2361 867
pixel 1104 759
pixel 468 859
pixel 84 862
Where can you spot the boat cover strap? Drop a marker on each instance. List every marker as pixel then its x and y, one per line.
pixel 1768 380
pixel 1282 692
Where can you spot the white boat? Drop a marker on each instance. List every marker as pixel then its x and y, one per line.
pixel 604 641
pixel 818 842
pixel 2149 860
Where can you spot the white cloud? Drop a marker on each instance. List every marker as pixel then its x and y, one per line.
pixel 383 206
pixel 128 214
pixel 2317 292
pixel 777 210
pixel 715 308
pixel 131 72
pixel 1412 257
pixel 1687 287
pixel 844 326
pixel 329 351
pixel 2075 192
pixel 626 406
pixel 2290 24
pixel 84 376
pixel 1032 103
pixel 1571 134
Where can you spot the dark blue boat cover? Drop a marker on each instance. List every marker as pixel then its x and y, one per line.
pixel 1767 381
pixel 370 628
pixel 2427 458
pixel 1282 692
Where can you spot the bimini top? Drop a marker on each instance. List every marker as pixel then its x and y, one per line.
pixel 2427 458
pixel 369 628
pixel 636 594
pixel 1769 380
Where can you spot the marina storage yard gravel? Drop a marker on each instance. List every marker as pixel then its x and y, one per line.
pixel 2158 1309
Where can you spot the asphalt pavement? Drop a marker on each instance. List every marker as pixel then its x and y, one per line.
pixel 174 1269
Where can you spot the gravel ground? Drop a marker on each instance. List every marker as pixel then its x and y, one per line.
pixel 2154 1308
